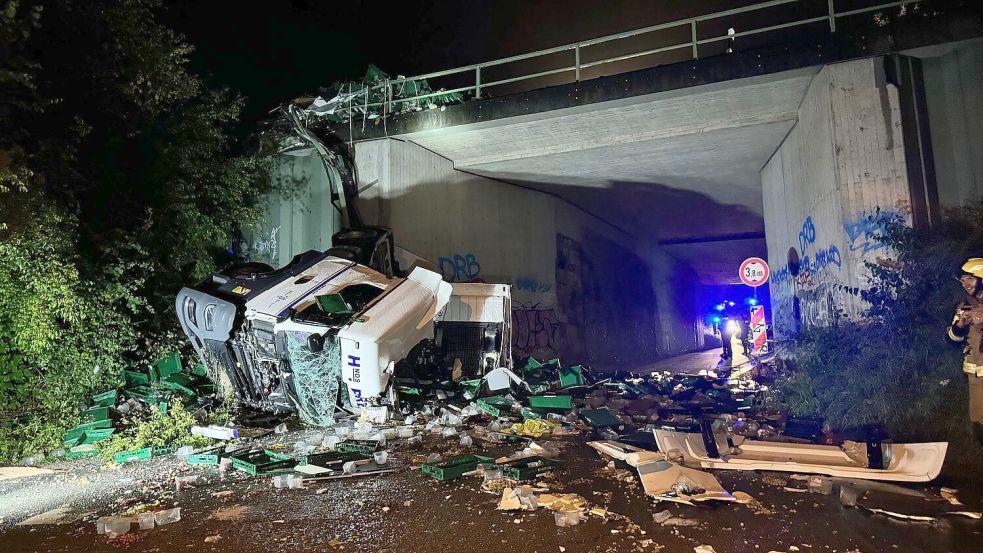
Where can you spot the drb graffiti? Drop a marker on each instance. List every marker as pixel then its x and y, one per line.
pixel 459 268
pixel 534 328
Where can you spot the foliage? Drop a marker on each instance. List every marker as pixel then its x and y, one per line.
pixel 897 367
pixel 120 181
pixel 160 429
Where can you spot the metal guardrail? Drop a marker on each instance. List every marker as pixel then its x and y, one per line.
pixel 359 100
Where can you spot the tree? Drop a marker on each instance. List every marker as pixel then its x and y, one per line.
pixel 120 181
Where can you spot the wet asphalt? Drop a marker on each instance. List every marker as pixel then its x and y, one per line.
pixel 407 511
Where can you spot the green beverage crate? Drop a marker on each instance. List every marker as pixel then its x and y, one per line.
pixel 202 459
pixel 599 417
pixel 180 383
pixel 262 462
pixel 551 402
pixel 365 447
pixel 572 376
pixel 166 366
pixel 134 455
pixel 454 467
pixel 527 468
pixel 96 435
pixel 81 452
pixel 86 426
pixel 135 378
pixel 73 437
pixel 105 399
pixel 93 414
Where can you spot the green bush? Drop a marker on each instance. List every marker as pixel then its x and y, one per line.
pixel 160 429
pixel 897 368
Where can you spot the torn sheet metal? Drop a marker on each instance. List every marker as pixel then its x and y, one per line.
pixel 923 518
pixel 616 450
pixel 908 462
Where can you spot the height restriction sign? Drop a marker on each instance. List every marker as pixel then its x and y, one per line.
pixel 754 271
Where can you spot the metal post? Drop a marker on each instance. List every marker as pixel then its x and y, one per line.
pixel 693 34
pixel 832 17
pixel 576 62
pixel 477 82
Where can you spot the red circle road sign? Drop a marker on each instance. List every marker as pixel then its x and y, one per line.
pixel 754 271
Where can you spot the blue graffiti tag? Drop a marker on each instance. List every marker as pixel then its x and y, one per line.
pixel 531 284
pixel 807 235
pixel 459 268
pixel 782 276
pixel 868 228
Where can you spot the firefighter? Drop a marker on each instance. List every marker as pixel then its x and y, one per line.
pixel 967 327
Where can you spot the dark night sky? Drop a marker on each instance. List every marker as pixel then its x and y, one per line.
pixel 275 50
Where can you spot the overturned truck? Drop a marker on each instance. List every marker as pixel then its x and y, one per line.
pixel 341 329
pixel 291 338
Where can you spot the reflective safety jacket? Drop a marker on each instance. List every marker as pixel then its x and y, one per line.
pixel 972 337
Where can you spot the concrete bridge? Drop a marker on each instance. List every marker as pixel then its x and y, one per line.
pixel 612 205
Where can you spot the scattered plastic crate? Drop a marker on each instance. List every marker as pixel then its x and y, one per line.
pixel 455 467
pixel 262 462
pixel 96 435
pixel 105 399
pixel 365 447
pixel 551 402
pixel 527 468
pixel 203 459
pixel 166 366
pixel 572 376
pixel 93 414
pixel 134 455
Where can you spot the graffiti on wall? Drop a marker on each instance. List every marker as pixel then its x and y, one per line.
pixel 815 296
pixel 534 327
pixel 864 231
pixel 459 268
pixel 532 284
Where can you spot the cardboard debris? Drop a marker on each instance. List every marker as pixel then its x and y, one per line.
pixel 9 473
pixel 668 482
pixel 58 515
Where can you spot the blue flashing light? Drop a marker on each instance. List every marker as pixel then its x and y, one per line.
pixel 730 303
pixel 752 301
pixel 719 307
pixel 716 319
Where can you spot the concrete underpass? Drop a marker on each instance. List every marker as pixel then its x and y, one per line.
pixel 616 207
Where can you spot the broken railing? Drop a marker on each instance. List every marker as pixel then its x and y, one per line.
pixel 364 100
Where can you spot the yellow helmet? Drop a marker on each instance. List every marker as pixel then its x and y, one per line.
pixel 974 266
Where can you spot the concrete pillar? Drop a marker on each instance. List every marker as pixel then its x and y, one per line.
pixel 842 162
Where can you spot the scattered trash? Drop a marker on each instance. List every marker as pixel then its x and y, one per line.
pixel 167 516
pixel 215 432
pixel 662 516
pixel 564 519
pixel 182 482
pixel 145 521
pixel 114 526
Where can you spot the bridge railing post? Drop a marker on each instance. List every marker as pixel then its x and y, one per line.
pixel 832 17
pixel 477 82
pixel 576 63
pixel 692 27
